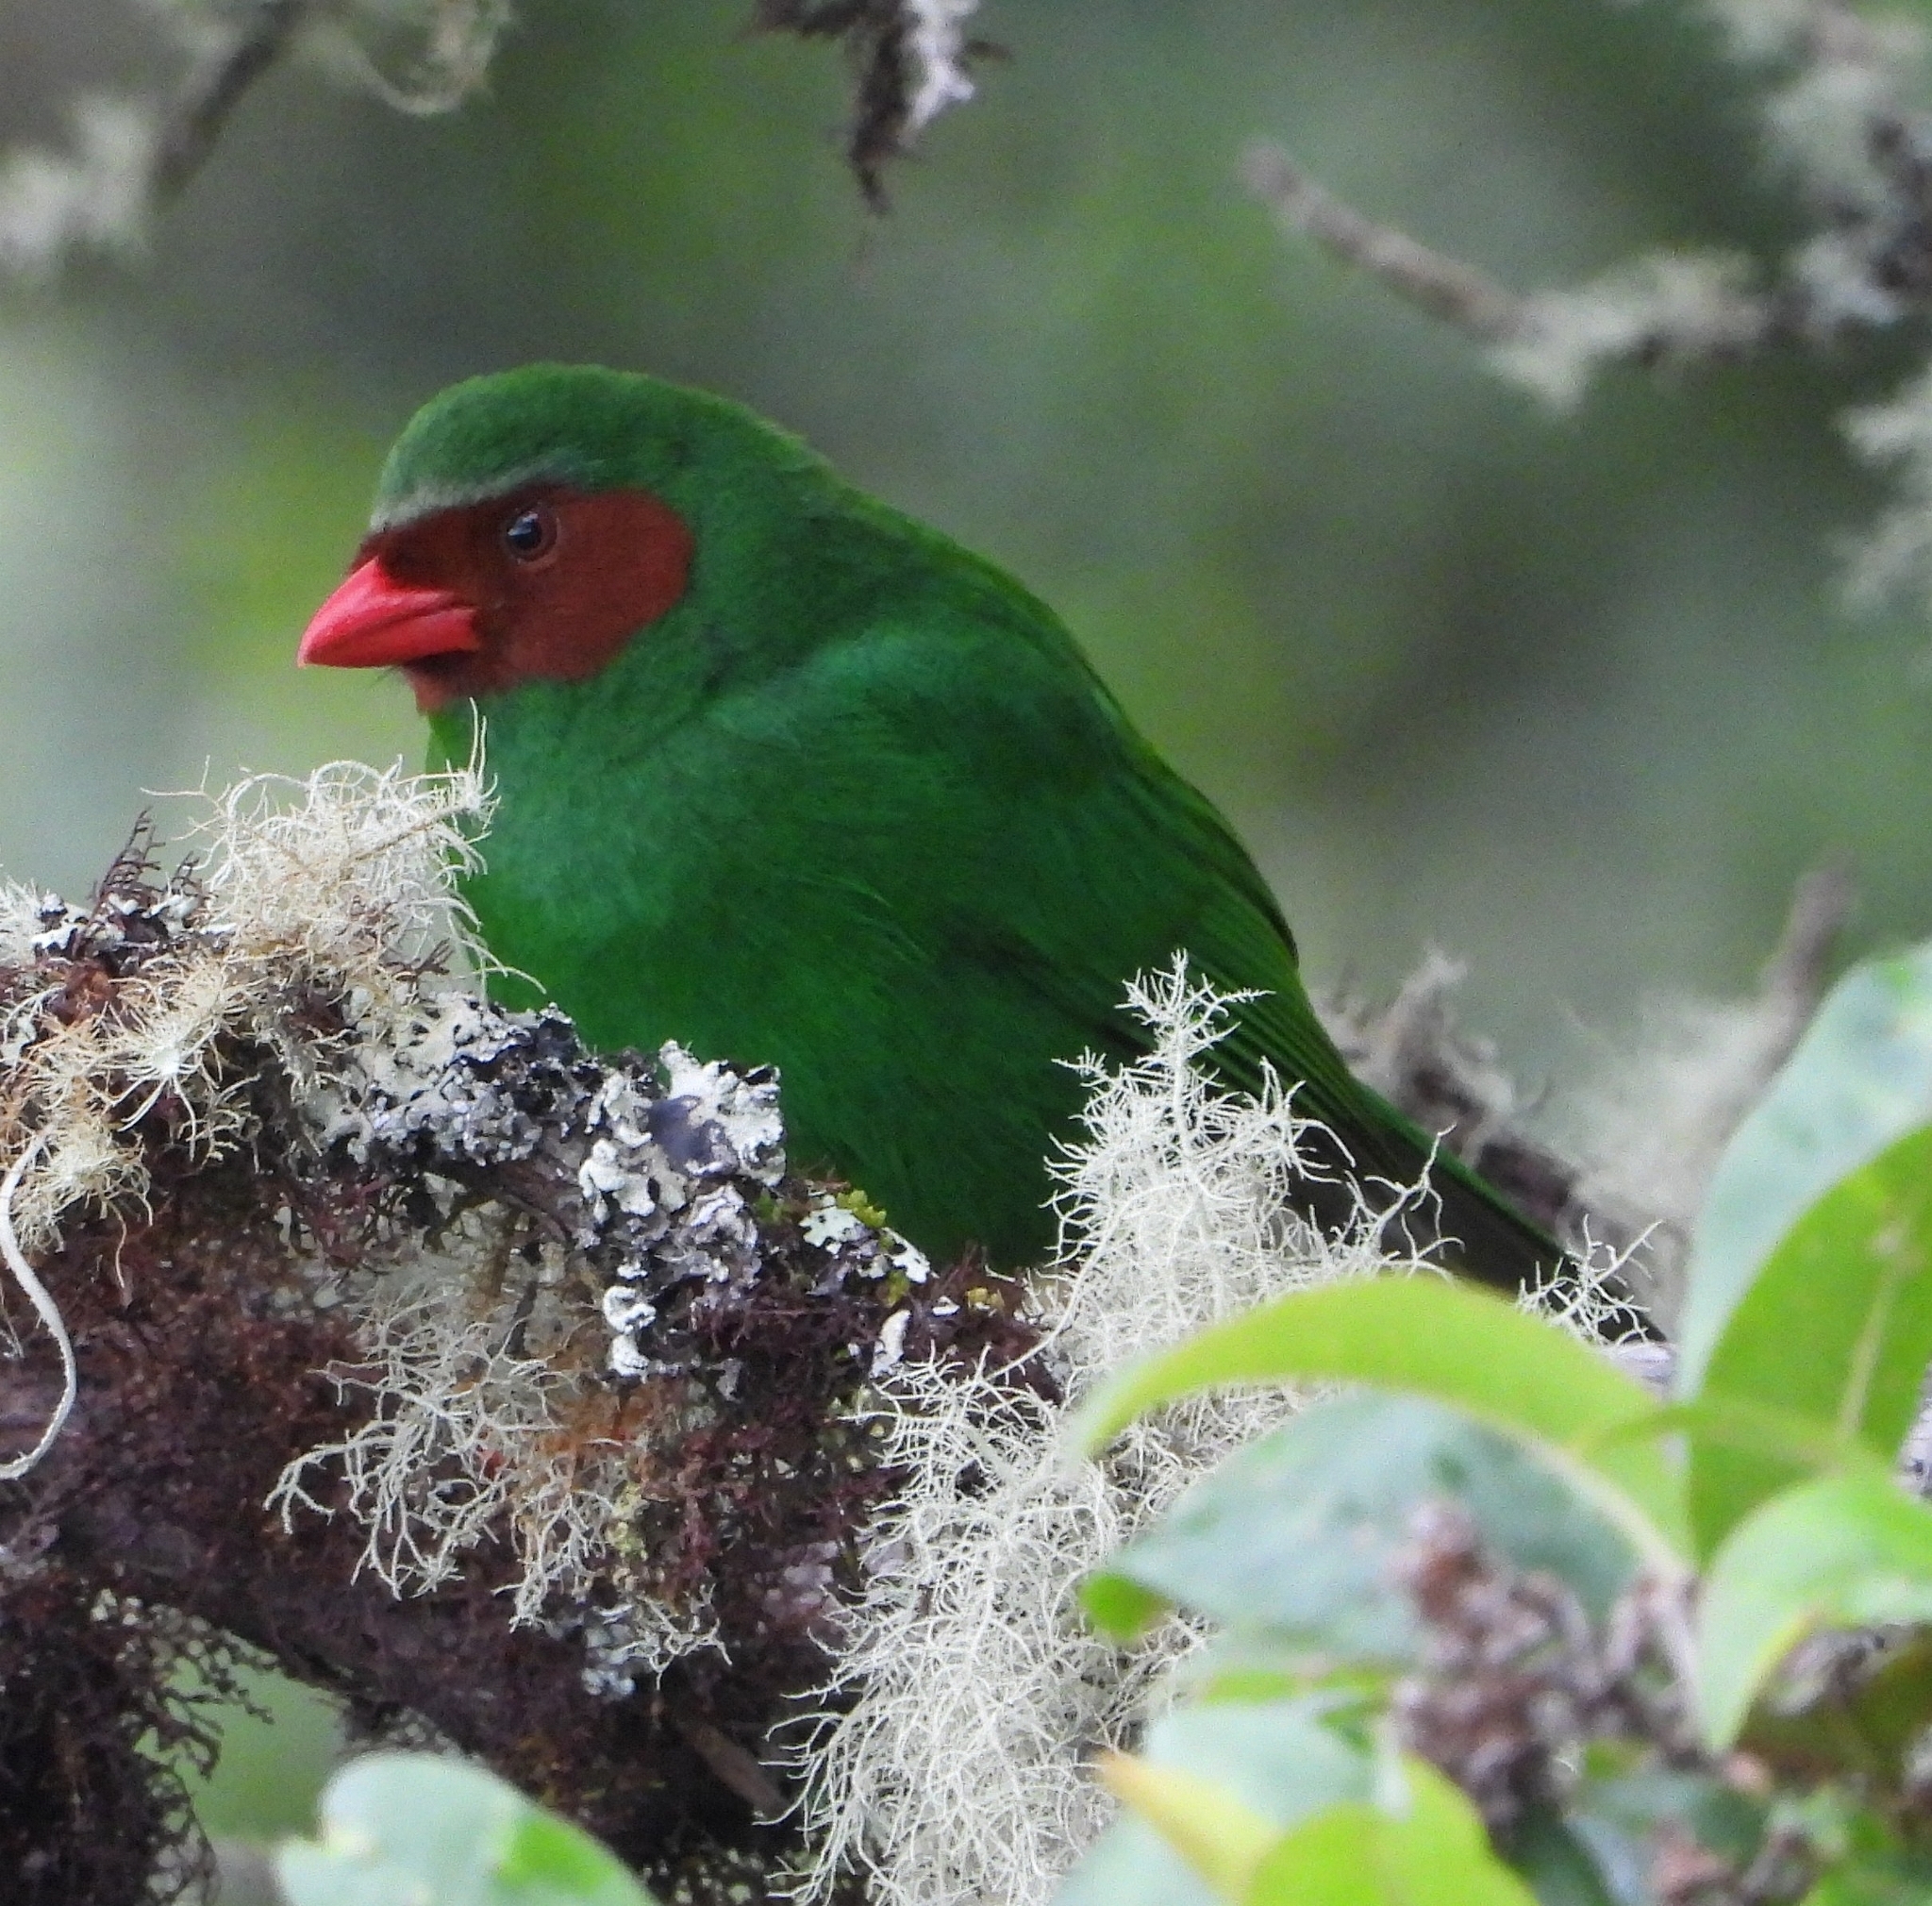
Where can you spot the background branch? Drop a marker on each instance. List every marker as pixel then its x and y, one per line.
pixel 1444 287
pixel 191 121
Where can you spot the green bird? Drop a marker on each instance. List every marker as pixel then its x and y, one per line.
pixel 791 778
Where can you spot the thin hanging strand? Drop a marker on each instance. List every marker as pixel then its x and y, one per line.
pixel 49 1313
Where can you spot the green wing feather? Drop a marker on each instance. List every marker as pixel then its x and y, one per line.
pixel 1212 905
pixel 1240 942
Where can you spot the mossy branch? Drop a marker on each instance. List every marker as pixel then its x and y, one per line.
pixel 493 1389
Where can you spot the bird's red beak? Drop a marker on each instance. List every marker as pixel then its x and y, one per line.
pixel 373 621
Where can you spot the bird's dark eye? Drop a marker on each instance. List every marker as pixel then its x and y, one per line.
pixel 530 534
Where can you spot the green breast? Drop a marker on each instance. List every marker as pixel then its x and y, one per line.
pixel 828 873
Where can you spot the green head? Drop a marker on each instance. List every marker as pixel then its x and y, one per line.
pixel 579 427
pixel 532 525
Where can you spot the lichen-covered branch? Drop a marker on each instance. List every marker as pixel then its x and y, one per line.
pixel 1445 286
pixel 128 157
pixel 1646 1139
pixel 1665 1104
pixel 525 1401
pixel 193 120
pixel 1838 112
pixel 495 1388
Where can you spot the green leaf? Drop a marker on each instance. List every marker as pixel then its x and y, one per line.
pixel 1296 1534
pixel 1860 1078
pixel 1130 1864
pixel 1558 1863
pixel 1897 1881
pixel 1280 1761
pixel 1843 1551
pixel 1219 1836
pixel 1459 1346
pixel 1283 1758
pixel 413 1829
pixel 1329 1862
pixel 1798 1443
pixel 1416 1843
pixel 1837 1328
pixel 1622 1817
pixel 1255 1665
pixel 1429 1847
pixel 1120 1606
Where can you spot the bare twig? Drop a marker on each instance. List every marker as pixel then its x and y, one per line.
pixel 1797 974
pixel 1659 309
pixel 733 1767
pixel 128 157
pixel 49 1313
pixel 1445 286
pixel 1452 1085
pixel 193 119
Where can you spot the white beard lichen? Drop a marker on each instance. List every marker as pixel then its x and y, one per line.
pixel 340 888
pixel 937 34
pixel 344 887
pixel 951 1763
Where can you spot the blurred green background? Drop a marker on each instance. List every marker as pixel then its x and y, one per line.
pixel 1573 699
